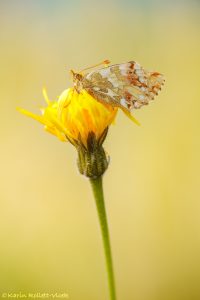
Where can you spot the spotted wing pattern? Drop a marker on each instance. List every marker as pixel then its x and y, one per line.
pixel 125 85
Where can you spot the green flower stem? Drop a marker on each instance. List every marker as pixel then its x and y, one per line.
pixel 97 188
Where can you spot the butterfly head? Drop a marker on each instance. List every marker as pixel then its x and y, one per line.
pixel 77 80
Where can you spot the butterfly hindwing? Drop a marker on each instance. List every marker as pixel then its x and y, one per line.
pixel 125 85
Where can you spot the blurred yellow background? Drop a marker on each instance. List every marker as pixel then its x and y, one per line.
pixel 49 232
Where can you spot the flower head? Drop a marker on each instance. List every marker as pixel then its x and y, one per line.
pixel 74 116
pixel 83 121
pixel 82 115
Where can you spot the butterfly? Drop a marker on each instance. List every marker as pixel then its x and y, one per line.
pixel 127 85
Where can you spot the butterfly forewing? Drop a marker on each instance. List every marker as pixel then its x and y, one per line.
pixel 125 85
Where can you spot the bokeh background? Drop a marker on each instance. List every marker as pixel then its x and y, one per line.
pixel 49 232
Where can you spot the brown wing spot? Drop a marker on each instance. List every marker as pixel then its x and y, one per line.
pixel 129 99
pixel 131 65
pixel 155 74
pixel 106 62
pixel 127 96
pixel 134 80
pixel 155 88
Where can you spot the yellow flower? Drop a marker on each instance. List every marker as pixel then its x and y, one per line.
pixel 80 119
pixel 74 116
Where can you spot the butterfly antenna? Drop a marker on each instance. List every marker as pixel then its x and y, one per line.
pixel 71 72
pixel 105 62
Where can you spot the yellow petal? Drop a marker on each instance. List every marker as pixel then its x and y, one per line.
pixel 34 116
pixel 131 117
pixel 56 132
pixel 44 92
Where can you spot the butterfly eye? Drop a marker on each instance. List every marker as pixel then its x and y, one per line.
pixel 77 76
